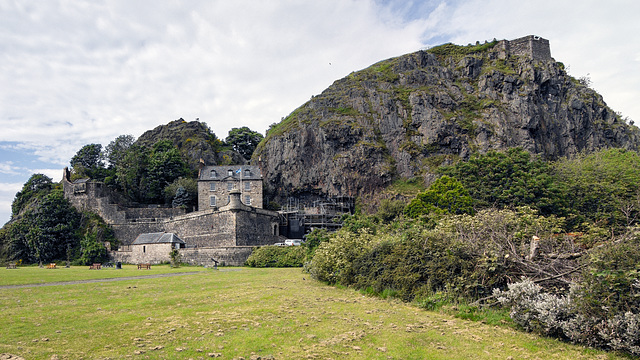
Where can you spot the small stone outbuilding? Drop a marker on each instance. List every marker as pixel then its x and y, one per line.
pixel 155 247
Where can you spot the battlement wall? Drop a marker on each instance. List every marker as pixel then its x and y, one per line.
pixel 531 46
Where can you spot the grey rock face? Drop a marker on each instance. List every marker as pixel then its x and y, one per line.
pixel 404 116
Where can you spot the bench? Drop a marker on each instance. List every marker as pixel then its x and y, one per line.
pixel 95 267
pixel 144 266
pixel 51 266
pixel 12 266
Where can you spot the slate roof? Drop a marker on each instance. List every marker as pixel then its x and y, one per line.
pixel 237 172
pixel 157 238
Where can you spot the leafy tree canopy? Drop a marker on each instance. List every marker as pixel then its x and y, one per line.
pixel 89 162
pixel 37 184
pixel 511 178
pixel 244 141
pixel 116 150
pixel 445 196
pixel 603 186
pixel 88 157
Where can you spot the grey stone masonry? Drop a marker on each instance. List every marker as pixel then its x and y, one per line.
pixel 216 182
pixel 531 46
pixel 227 231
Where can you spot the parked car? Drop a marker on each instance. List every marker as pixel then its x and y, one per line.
pixel 278 244
pixel 293 242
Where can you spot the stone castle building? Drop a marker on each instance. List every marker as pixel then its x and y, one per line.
pixel 216 182
pixel 531 46
pixel 229 222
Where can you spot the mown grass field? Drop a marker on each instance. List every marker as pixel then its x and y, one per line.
pixel 237 312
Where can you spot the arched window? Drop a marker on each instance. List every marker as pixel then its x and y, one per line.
pixel 247 172
pixel 213 174
pixel 230 172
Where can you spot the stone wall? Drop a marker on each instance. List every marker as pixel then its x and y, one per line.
pixel 255 228
pixel 96 197
pixel 227 233
pixel 205 228
pixel 226 256
pixel 127 232
pixel 531 46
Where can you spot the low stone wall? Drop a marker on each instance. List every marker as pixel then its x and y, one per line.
pixel 125 257
pixel 226 256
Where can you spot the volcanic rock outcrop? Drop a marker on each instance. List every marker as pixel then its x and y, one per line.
pixel 405 116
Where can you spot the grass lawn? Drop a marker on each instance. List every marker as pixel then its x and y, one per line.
pixel 238 312
pixel 36 275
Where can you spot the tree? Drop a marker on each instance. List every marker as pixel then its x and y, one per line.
pixel 187 197
pixel 131 172
pixel 89 162
pixel 165 166
pixel 244 141
pixel 511 178
pixel 603 185
pixel 116 150
pixel 36 185
pixel 88 157
pixel 52 225
pixel 445 196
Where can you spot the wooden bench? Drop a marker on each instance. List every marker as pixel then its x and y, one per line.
pixel 51 266
pixel 95 267
pixel 12 266
pixel 144 266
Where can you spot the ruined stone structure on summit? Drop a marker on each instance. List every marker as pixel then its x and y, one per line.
pixel 531 46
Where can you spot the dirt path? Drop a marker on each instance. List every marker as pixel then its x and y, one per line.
pixel 98 280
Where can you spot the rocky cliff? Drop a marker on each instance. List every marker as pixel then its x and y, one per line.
pixel 404 116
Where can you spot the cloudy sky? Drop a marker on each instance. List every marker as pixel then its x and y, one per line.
pixel 75 72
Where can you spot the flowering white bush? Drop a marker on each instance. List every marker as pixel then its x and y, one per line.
pixel 558 316
pixel 535 310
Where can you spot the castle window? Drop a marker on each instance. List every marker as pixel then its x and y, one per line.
pixel 229 186
pixel 247 172
pixel 144 248
pixel 212 186
pixel 247 200
pixel 212 201
pixel 213 174
pixel 247 186
pixel 230 172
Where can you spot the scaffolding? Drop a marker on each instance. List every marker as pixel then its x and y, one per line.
pixel 324 214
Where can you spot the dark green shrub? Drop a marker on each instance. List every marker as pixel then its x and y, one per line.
pixel 277 256
pixel 508 179
pixel 445 196
pixel 611 282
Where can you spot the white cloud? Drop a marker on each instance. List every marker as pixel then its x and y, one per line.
pixel 54 174
pixel 8 168
pixel 7 194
